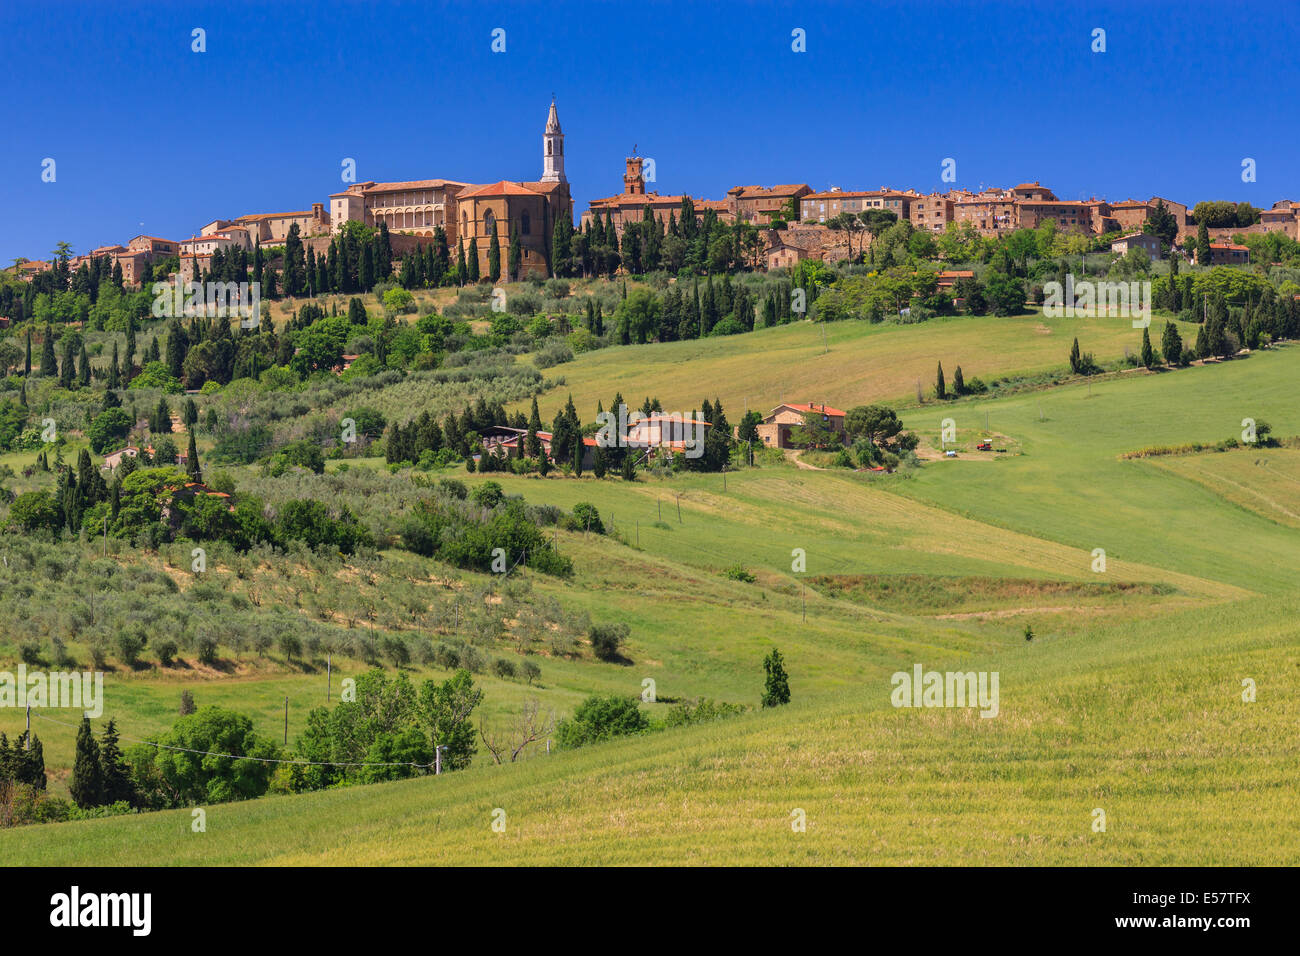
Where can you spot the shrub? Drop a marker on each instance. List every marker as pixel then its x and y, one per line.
pixel 472 660
pixel 395 650
pixel 585 518
pixel 738 573
pixel 129 646
pixel 166 651
pixel 606 639
pixel 531 671
pixel 503 668
pixel 601 718
pixel 554 352
pixel 487 495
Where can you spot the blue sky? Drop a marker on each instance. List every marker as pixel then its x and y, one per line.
pixel 151 137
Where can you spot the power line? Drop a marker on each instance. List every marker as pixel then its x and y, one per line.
pixel 209 753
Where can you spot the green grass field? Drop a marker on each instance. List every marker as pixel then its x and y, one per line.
pixel 840 363
pixel 1128 700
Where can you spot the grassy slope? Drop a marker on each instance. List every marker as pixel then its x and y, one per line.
pixel 1131 705
pixel 860 363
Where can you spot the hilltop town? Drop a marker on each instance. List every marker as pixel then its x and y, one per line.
pixel 774 227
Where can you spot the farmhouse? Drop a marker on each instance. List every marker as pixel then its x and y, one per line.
pixel 1227 254
pixel 1137 240
pixel 115 459
pixel 775 429
pixel 502 439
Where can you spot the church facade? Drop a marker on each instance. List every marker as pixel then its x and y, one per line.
pixel 469 213
pixel 529 210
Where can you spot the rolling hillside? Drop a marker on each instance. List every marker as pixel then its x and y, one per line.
pixel 1128 700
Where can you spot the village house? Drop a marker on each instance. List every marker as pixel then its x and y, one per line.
pixel 761 204
pixel 1132 213
pixel 634 203
pixel 1137 240
pixel 503 439
pixel 818 207
pixel 798 241
pixel 1227 254
pixel 112 461
pixel 776 428
pixel 932 212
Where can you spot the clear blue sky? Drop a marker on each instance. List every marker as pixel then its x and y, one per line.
pixel 151 137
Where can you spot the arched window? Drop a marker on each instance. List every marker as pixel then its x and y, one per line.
pixel 550 147
pixel 525 224
pixel 489 221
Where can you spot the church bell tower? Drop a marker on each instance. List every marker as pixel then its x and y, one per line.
pixel 553 149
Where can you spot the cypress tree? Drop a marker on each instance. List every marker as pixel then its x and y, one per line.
pixel 1148 356
pixel 114 772
pixel 1171 344
pixel 27 362
pixel 1202 245
pixel 494 255
pixel 776 685
pixel 68 368
pixel 532 444
pixel 940 389
pixel 87 783
pixel 516 252
pixel 192 462
pixel 49 366
pixel 473 260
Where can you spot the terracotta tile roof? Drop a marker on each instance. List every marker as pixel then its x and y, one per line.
pixel 502 188
pixel 257 217
pixel 638 199
pixel 851 194
pixel 412 184
pixel 760 192
pixel 822 409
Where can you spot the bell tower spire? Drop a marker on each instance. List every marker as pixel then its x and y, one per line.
pixel 553 149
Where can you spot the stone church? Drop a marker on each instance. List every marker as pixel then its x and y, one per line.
pixel 468 213
pixel 532 208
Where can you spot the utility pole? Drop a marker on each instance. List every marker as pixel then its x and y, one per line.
pixel 286 720
pixel 660 502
